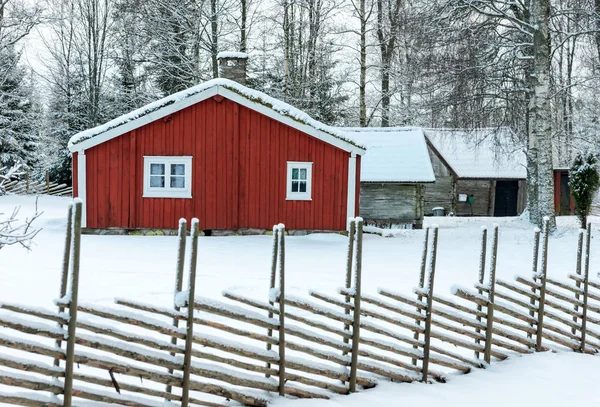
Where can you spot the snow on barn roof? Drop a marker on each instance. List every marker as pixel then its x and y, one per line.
pixel 395 154
pixel 483 153
pixel 247 97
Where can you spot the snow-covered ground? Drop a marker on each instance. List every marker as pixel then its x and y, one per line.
pixel 139 267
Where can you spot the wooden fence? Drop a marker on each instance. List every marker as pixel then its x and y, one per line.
pixel 31 187
pixel 204 352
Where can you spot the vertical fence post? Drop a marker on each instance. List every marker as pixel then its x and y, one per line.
pixel 481 277
pixel 70 352
pixel 272 283
pixel 586 277
pixel 189 335
pixel 349 264
pixel 487 353
pixel 421 284
pixel 65 270
pixel 542 278
pixel 47 182
pixel 357 289
pixel 281 310
pixel 181 235
pixel 534 269
pixel 578 272
pixel 428 315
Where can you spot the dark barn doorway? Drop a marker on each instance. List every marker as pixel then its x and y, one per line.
pixel 505 203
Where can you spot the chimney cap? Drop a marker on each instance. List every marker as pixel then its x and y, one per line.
pixel 232 55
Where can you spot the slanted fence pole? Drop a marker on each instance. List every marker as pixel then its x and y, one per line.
pixel 578 272
pixel 357 289
pixel 586 277
pixel 349 263
pixel 181 237
pixel 272 282
pixel 481 277
pixel 487 353
pixel 65 269
pixel 542 278
pixel 429 309
pixel 70 353
pixel 281 310
pixel 421 284
pixel 534 269
pixel 189 335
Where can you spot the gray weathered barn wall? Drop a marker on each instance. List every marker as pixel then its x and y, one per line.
pixel 442 192
pixel 483 192
pixel 386 204
pixel 596 205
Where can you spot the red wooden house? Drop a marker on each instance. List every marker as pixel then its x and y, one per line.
pixel 233 157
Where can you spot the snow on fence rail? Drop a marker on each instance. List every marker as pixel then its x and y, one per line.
pixel 203 351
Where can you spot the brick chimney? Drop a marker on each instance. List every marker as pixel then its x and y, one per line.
pixel 232 65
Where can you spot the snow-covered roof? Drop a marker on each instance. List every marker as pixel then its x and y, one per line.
pixel 232 54
pixel 484 153
pixel 395 154
pixel 234 91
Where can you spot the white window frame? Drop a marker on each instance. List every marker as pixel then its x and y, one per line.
pixel 299 196
pixel 167 191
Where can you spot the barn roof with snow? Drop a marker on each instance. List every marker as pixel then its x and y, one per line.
pixel 492 153
pixel 234 91
pixel 394 155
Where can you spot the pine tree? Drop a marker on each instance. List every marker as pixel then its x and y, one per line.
pixel 18 131
pixel 584 181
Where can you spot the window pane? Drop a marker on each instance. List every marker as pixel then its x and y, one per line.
pixel 157 169
pixel 157 181
pixel 302 173
pixel 294 173
pixel 294 186
pixel 177 169
pixel 177 182
pixel 302 186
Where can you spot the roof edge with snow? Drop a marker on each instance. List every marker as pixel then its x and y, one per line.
pixel 252 99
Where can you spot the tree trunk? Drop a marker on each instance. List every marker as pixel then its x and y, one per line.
pixel 540 134
pixel 385 92
pixel 597 36
pixel 363 63
pixel 243 26
pixel 214 42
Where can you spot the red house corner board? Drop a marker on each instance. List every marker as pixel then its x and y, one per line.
pixel 233 157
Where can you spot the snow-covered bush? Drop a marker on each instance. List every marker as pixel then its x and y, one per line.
pixel 584 181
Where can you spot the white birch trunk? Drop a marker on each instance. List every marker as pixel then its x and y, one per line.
pixel 540 131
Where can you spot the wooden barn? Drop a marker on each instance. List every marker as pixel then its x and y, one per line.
pixel 233 157
pixel 478 173
pixel 394 173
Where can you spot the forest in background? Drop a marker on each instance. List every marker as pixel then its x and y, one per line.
pixel 533 66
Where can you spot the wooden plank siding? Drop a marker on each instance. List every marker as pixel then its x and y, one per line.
pixel 441 193
pixel 239 171
pixel 391 204
pixel 483 192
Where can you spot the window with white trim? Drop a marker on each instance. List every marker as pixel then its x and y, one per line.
pixel 167 177
pixel 299 181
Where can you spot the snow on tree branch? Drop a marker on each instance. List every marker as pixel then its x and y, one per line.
pixel 13 230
